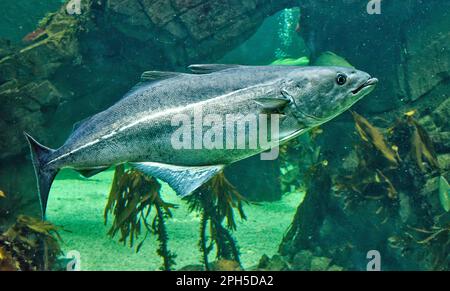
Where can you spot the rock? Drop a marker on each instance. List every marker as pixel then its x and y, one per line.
pixel 192 268
pixel 444 161
pixel 428 123
pixel 276 263
pixel 225 265
pixel 335 268
pixel 264 262
pixel 441 115
pixel 320 263
pixel 427 51
pixel 302 260
pixel 408 68
pixel 441 141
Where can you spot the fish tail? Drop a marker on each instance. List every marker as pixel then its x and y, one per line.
pixel 45 174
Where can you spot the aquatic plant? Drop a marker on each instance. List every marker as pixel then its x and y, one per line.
pixel 436 240
pixel 216 201
pixel 131 199
pixel 310 214
pixel 395 161
pixel 422 149
pixel 389 161
pixel 29 244
pixel 293 169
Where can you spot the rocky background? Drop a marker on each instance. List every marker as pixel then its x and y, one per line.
pixel 63 73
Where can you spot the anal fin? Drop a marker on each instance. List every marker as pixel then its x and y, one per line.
pixel 184 180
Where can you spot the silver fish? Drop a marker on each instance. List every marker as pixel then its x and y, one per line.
pixel 139 129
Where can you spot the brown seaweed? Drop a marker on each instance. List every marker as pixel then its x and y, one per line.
pixel 422 147
pixel 436 239
pixel 132 197
pixel 216 201
pixel 30 244
pixel 373 136
pixel 372 179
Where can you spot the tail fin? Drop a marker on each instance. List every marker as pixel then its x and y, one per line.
pixel 44 174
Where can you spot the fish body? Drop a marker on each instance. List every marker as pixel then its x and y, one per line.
pixel 444 193
pixel 140 128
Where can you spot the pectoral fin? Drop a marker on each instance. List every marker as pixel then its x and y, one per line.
pixel 273 103
pixel 184 180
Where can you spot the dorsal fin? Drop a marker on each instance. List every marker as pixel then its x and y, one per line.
pixel 150 77
pixel 209 68
pixel 77 124
pixel 158 75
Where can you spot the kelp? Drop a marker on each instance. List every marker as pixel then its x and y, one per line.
pixel 373 178
pixel 422 147
pixel 30 244
pixel 216 201
pixel 132 197
pixel 436 239
pixel 373 137
pixel 389 161
pixel 393 161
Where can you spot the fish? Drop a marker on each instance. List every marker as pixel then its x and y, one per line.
pixel 331 59
pixel 302 61
pixel 444 193
pixel 139 128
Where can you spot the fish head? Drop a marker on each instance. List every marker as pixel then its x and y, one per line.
pixel 319 94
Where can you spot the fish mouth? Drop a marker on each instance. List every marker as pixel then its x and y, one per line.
pixel 368 84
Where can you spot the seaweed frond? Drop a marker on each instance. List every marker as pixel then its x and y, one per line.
pixel 373 136
pixel 422 147
pixel 216 201
pixel 30 244
pixel 131 199
pixel 436 239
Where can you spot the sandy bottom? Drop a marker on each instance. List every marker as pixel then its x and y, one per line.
pixel 77 204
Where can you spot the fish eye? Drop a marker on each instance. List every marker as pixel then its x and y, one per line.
pixel 341 79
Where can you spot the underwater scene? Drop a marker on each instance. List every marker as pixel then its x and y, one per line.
pixel 225 135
